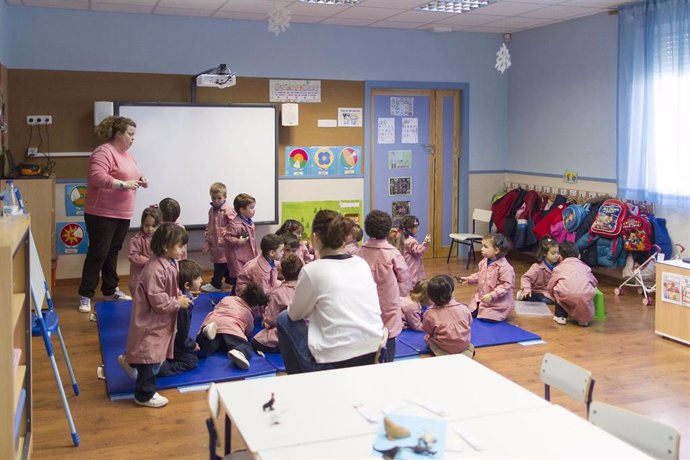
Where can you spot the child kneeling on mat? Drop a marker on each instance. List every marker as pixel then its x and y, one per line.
pixel 447 322
pixel 228 327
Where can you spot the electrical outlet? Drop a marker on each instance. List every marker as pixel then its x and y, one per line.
pixel 35 120
pixel 32 151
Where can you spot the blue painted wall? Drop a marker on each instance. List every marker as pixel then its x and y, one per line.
pixel 83 40
pixel 562 98
pixel 4 33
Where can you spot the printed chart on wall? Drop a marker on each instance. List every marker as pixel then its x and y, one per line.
pixel 314 162
pixel 75 199
pixel 71 238
pixel 304 211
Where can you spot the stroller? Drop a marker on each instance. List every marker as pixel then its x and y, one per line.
pixel 644 276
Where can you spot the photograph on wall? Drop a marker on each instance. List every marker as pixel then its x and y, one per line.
pixel 71 238
pixel 386 131
pixel 304 211
pixel 399 209
pixel 402 106
pixel 297 161
pixel 399 186
pixel 350 117
pixel 410 131
pixel 350 161
pixel 323 161
pixel 399 159
pixel 75 199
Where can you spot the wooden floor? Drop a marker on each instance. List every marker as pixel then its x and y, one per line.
pixel 633 368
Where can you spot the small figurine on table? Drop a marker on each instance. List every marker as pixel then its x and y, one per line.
pixel 269 404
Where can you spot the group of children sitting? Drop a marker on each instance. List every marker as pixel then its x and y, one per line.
pixel 264 284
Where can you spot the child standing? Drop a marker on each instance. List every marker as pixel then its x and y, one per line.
pixel 389 270
pixel 262 270
pixel 573 286
pixel 140 245
pixel 267 339
pixel 170 212
pixel 414 305
pixel 184 355
pixel 293 227
pixel 533 283
pixel 240 236
pixel 447 323
pixel 495 280
pixel 229 325
pixel 219 217
pixel 413 249
pixel 152 324
pixel 351 246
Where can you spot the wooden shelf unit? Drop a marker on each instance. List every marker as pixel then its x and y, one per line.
pixel 671 320
pixel 16 333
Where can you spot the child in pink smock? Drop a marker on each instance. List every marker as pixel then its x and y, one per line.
pixel 266 340
pixel 292 227
pixel 413 250
pixel 262 269
pixel 170 212
pixel 389 270
pixel 153 321
pixel 495 280
pixel 414 305
pixel 240 236
pixel 533 283
pixel 228 327
pixel 447 322
pixel 140 245
pixel 351 246
pixel 219 217
pixel 572 286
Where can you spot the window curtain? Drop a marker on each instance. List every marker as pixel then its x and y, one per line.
pixel 653 112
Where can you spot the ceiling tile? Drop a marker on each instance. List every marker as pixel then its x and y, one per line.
pixel 183 12
pixel 469 19
pixel 335 20
pixel 593 3
pixel 121 7
pixel 254 6
pixel 372 14
pixel 239 15
pixel 518 23
pixel 423 17
pixel 118 3
pixel 397 25
pixel 68 4
pixel 195 5
pixel 560 12
pixel 489 30
pixel 322 11
pixel 398 4
pixel 507 8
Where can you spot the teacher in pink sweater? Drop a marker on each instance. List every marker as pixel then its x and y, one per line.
pixel 114 178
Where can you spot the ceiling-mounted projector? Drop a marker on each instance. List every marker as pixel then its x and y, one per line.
pixel 213 80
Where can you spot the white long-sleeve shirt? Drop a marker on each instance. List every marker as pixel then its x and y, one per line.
pixel 338 296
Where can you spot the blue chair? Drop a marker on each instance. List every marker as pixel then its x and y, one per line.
pixel 45 324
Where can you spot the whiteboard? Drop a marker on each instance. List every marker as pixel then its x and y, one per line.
pixel 182 149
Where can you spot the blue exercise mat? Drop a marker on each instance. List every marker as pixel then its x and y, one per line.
pixel 113 327
pixel 484 334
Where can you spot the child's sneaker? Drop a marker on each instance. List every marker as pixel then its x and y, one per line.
pixel 93 318
pixel 238 359
pixel 208 287
pixel 560 319
pixel 583 323
pixel 100 372
pixel 84 304
pixel 210 330
pixel 156 401
pixel 129 370
pixel 117 295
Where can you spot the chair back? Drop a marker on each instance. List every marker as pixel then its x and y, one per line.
pixel 569 378
pixel 481 215
pixel 651 437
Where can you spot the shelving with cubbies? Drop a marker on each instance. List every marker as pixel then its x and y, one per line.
pixel 15 339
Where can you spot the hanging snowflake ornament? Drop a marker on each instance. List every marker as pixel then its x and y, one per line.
pixel 278 20
pixel 503 58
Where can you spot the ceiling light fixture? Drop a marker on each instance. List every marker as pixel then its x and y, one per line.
pixel 331 2
pixel 452 6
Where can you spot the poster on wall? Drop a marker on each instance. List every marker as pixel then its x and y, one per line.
pixel 295 91
pixel 399 209
pixel 399 186
pixel 410 131
pixel 402 106
pixel 350 117
pixel 314 162
pixel 297 161
pixel 323 160
pixel 349 161
pixel 71 238
pixel 304 211
pixel 399 159
pixel 386 131
pixel 75 199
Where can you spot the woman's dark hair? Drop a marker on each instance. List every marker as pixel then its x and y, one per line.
pixel 112 125
pixel 254 296
pixel 331 228
pixel 440 289
pixel 378 224
pixel 242 201
pixel 270 242
pixel 167 236
pixel 545 244
pixel 500 242
pixel 289 226
pixel 568 249
pixel 407 223
pixel 170 209
pixel 188 271
pixel 151 212
pixel 290 266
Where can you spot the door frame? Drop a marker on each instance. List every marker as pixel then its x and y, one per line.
pixel 462 221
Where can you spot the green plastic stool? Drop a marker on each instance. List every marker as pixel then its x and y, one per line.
pixel 599 309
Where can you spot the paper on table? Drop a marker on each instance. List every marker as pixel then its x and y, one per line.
pixel 523 307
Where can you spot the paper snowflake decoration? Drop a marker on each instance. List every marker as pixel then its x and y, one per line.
pixel 503 58
pixel 278 20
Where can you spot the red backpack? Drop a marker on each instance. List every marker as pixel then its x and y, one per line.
pixel 610 218
pixel 637 233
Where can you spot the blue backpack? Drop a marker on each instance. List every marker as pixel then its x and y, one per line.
pixel 573 216
pixel 661 236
